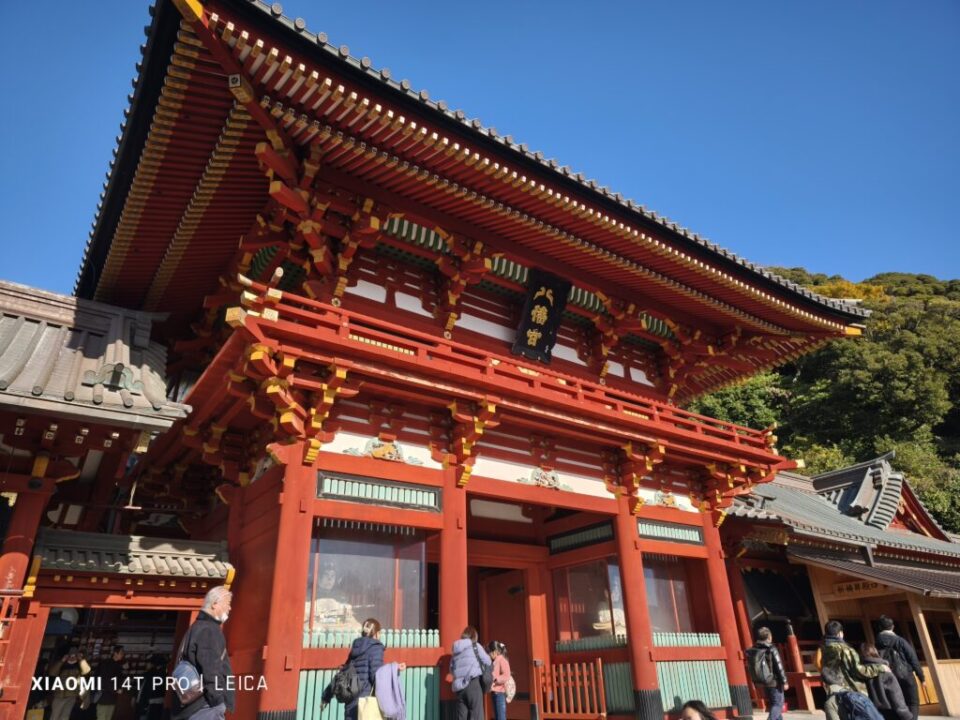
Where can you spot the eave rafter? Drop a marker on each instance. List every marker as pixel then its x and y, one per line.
pixel 356 121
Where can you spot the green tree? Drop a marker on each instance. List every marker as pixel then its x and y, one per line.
pixel 756 403
pixel 896 388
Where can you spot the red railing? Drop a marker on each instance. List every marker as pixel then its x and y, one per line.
pixel 569 691
pixel 330 325
pixel 8 614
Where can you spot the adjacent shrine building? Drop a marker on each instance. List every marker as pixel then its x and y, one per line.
pixel 850 545
pixel 433 378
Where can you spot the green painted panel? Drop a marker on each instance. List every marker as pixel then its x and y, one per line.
pixel 355 488
pixel 580 538
pixel 670 531
pixel 598 642
pixel 391 637
pixel 421 687
pixel 705 680
pixel 665 639
pixel 618 686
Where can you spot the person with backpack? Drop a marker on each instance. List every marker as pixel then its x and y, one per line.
pixel 844 678
pixel 903 661
pixel 469 666
pixel 504 687
pixel 766 671
pixel 884 690
pixel 205 648
pixel 356 678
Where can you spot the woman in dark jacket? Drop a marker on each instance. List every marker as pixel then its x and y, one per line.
pixel 366 655
pixel 884 690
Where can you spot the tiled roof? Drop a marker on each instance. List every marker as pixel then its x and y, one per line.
pixel 438 113
pixel 784 501
pixel 869 490
pixel 476 126
pixel 936 583
pixel 72 551
pixel 81 358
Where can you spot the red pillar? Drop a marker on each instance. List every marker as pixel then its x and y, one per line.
pixel 725 618
pixel 648 702
pixel 284 641
pixel 739 596
pixel 453 577
pixel 21 534
pixel 26 636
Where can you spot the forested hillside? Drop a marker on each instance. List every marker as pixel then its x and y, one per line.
pixel 897 388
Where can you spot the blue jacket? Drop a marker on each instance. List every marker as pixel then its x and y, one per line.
pixel 463 665
pixel 366 654
pixel 367 657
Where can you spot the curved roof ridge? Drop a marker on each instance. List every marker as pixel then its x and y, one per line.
pixel 487 135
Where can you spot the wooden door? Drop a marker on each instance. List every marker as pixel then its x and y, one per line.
pixel 503 614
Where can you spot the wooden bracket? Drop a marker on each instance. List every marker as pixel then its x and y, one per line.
pixel 470 420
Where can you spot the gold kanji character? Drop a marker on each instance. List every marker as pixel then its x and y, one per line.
pixel 533 337
pixel 544 292
pixel 539 314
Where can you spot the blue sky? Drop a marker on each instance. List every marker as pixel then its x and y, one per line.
pixel 816 133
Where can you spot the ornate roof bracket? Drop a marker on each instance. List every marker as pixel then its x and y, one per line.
pixel 470 420
pixel 466 263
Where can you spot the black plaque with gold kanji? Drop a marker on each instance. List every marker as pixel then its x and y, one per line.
pixel 542 313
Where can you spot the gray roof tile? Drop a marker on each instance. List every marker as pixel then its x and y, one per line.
pixel 475 126
pixel 72 551
pixel 808 513
pixel 82 358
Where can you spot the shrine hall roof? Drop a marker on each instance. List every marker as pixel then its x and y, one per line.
pixel 72 551
pixel 560 203
pixel 795 501
pixel 73 357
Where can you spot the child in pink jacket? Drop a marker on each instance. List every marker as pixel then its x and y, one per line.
pixel 501 673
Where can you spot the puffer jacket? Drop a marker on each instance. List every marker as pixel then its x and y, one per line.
pixel 366 656
pixel 884 690
pixel 842 663
pixel 463 665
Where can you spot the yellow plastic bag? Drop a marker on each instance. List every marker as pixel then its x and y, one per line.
pixel 369 709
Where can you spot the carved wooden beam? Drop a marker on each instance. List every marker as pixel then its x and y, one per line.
pixel 637 461
pixel 466 263
pixel 470 420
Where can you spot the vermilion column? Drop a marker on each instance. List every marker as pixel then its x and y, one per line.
pixel 26 636
pixel 453 578
pixel 725 618
pixel 21 534
pixel 284 642
pixel 646 689
pixel 739 596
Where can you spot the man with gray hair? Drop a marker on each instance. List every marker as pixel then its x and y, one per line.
pixel 205 648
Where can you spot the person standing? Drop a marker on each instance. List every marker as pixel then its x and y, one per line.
pixel 903 661
pixel 110 672
pixel 766 671
pixel 843 672
pixel 501 675
pixel 884 689
pixel 205 647
pixel 366 657
pixel 466 669
pixel 69 669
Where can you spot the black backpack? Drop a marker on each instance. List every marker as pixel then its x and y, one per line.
pixel 854 706
pixel 761 667
pixel 346 684
pixel 897 662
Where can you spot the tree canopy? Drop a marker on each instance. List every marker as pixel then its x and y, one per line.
pixel 897 388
